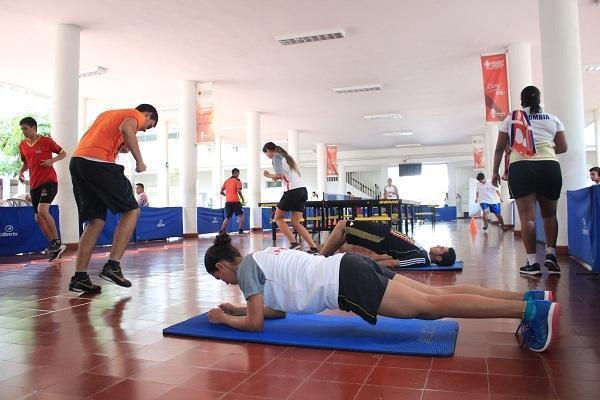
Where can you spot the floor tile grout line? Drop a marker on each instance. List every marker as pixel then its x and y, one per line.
pixel 426 379
pixel 487 369
pixel 311 374
pixel 368 376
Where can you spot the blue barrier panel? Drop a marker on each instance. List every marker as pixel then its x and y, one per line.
pixel 106 236
pixel 595 228
pixel 159 223
pixel 234 222
pixel 267 215
pixel 19 233
pixel 445 213
pixel 210 219
pixel 582 227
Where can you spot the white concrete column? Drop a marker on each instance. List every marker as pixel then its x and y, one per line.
pixel 519 71
pixel 597 131
pixel 65 114
pixel 253 194
pixel 292 145
pixel 82 120
pixel 491 137
pixel 188 174
pixel 341 180
pixel 6 187
pixel 563 92
pixel 217 172
pixel 162 169
pixel 321 168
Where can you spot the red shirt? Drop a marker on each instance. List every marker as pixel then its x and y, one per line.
pixel 231 187
pixel 33 154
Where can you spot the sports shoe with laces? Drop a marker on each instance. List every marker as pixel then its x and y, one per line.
pixel 56 250
pixel 313 250
pixel 533 269
pixel 83 285
pixel 539 326
pixel 114 275
pixel 552 264
pixel 538 295
pixel 241 231
pixel 295 246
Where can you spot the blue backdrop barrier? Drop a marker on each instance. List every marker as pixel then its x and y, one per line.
pixel 159 223
pixel 19 232
pixel 106 236
pixel 267 215
pixel 583 210
pixel 234 222
pixel 445 213
pixel 210 220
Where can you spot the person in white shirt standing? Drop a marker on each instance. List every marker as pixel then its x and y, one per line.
pixel 390 191
pixel 534 176
pixel 488 197
pixel 294 196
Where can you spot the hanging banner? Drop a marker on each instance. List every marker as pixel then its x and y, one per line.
pixel 495 87
pixel 332 160
pixel 204 113
pixel 478 151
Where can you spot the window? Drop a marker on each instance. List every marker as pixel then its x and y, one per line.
pixel 428 188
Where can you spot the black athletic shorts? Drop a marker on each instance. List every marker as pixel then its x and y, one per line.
pixel 535 177
pixel 362 285
pixel 369 235
pixel 44 193
pixel 99 186
pixel 233 207
pixel 293 200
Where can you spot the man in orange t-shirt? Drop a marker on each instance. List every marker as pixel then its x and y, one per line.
pixel 36 153
pixel 232 190
pixel 100 184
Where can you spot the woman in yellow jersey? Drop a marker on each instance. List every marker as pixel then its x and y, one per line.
pixel 535 138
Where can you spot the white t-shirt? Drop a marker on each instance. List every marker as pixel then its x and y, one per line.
pixel 544 127
pixel 291 179
pixel 294 281
pixel 390 192
pixel 487 192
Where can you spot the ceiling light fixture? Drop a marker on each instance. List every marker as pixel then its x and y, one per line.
pixel 357 89
pixel 86 73
pixel 383 116
pixel 398 133
pixel 309 37
pixel 408 145
pixel 591 67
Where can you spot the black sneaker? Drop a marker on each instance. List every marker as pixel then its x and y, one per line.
pixel 114 276
pixel 485 227
pixel 313 250
pixel 83 286
pixel 533 269
pixel 552 264
pixel 56 251
pixel 241 231
pixel 295 246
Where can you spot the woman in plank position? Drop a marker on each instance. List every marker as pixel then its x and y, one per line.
pixel 278 280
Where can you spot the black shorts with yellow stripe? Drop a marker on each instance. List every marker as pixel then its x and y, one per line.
pixel 362 285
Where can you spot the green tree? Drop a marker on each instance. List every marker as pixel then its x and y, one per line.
pixel 11 136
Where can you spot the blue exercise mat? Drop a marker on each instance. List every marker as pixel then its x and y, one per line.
pixel 392 336
pixel 457 266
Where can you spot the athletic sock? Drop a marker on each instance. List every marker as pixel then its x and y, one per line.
pixel 551 250
pixel 114 265
pixel 81 275
pixel 531 259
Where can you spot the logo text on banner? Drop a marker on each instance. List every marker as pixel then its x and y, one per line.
pixel 478 151
pixel 495 87
pixel 205 112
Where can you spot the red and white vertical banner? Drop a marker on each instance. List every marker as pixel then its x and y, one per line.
pixel 205 112
pixel 478 151
pixel 332 160
pixel 495 86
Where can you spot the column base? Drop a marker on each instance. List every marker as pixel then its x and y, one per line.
pixel 72 246
pixel 190 235
pixel 562 250
pixel 256 229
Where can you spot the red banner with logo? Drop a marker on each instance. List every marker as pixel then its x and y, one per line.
pixel 495 87
pixel 332 160
pixel 478 152
pixel 205 112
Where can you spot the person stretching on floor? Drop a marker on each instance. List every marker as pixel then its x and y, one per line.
pixel 279 280
pixel 387 246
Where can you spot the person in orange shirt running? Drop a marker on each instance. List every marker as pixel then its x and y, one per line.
pixel 232 190
pixel 36 153
pixel 100 184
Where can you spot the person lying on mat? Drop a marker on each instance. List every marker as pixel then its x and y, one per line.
pixel 278 280
pixel 387 246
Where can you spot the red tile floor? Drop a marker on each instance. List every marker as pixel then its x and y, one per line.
pixel 56 345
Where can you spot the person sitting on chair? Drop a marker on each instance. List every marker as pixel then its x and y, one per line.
pixel 387 246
